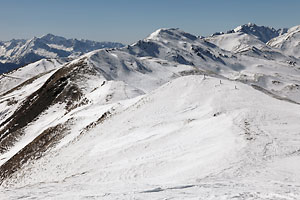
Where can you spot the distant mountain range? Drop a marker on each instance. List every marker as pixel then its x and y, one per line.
pixel 15 53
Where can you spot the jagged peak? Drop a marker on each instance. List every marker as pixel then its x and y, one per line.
pixel 263 33
pixel 252 26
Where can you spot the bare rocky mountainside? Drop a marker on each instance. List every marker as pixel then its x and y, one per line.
pixel 172 116
pixel 16 53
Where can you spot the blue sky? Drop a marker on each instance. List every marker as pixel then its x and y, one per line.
pixel 130 20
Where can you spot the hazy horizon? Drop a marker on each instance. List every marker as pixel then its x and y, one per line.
pixel 118 21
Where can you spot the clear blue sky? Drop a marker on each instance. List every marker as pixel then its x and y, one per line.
pixel 130 20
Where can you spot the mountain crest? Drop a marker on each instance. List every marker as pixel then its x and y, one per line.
pixel 50 38
pixel 171 33
pixel 263 33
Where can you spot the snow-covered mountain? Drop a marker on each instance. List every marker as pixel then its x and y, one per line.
pixel 289 42
pixel 170 116
pixel 17 53
pixel 245 37
pixel 263 33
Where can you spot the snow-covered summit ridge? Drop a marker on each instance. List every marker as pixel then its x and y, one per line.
pixel 170 33
pixel 263 33
pixel 245 37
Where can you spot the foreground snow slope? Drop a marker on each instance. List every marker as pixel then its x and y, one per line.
pixel 190 138
pixel 48 102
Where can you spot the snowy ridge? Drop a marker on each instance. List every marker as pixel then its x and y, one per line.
pixel 263 33
pixel 288 43
pixel 170 116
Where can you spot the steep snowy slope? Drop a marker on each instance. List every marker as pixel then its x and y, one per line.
pixel 289 43
pixel 198 139
pixel 17 85
pixel 16 53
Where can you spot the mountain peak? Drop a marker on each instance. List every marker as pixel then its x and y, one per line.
pixel 170 33
pixel 160 32
pixel 53 39
pixel 251 26
pixel 48 35
pixel 263 33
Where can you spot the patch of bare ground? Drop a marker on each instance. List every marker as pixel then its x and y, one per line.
pixel 34 150
pixel 59 88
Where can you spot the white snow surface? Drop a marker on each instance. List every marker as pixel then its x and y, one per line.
pixel 12 79
pixel 190 138
pixel 289 42
pixel 236 42
pixel 171 132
